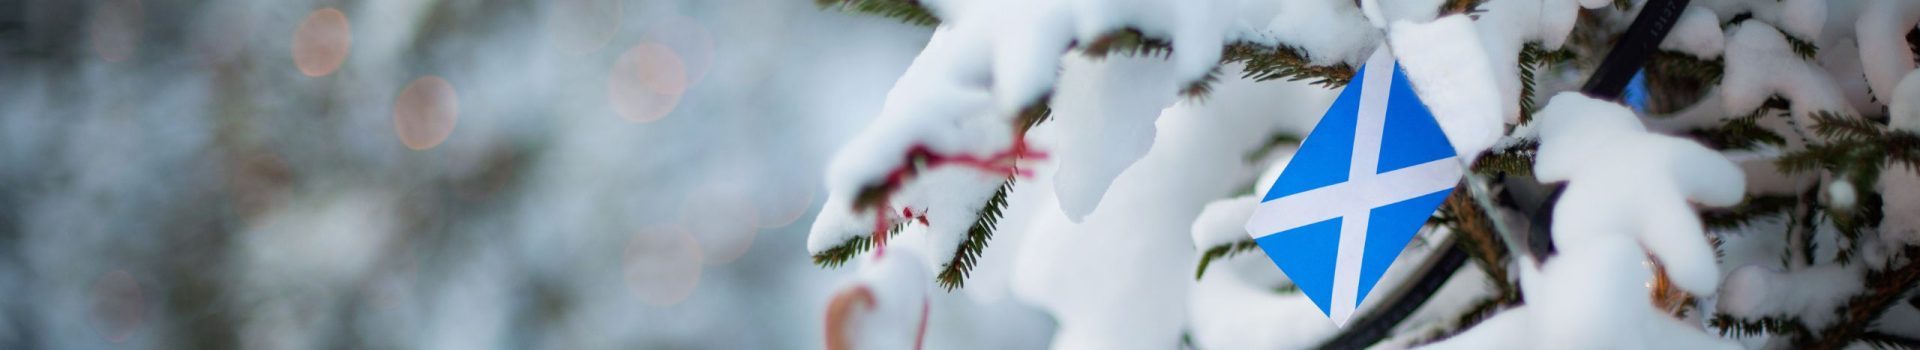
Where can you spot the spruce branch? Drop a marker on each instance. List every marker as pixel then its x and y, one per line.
pixel 1127 41
pixel 1883 340
pixel 1885 286
pixel 1274 142
pixel 1477 237
pixel 1514 160
pixel 908 11
pixel 968 253
pixel 1222 252
pixel 1265 62
pixel 1730 325
pixel 1534 56
pixel 840 254
pixel 1749 209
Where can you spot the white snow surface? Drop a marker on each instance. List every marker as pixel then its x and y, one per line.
pixel 1761 64
pixel 1110 107
pixel 1119 279
pixel 1900 193
pixel 899 283
pixel 1904 113
pixel 1697 33
pixel 1811 293
pixel 1627 196
pixel 1884 53
pixel 1448 68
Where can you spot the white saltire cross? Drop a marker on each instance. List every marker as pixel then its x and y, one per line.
pixel 1364 190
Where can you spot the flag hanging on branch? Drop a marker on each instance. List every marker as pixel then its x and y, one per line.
pixel 1363 182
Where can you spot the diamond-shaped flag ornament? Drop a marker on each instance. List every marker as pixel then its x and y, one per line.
pixel 1364 181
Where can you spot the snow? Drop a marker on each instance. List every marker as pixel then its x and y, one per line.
pixel 1221 318
pixel 1810 294
pixel 1803 18
pixel 1884 53
pixel 1697 33
pixel 1110 105
pixel 1760 64
pixel 1330 31
pixel 1506 26
pixel 1840 195
pixel 1448 68
pixel 1904 112
pixel 1119 278
pixel 1900 193
pixel 1627 197
pixel 1221 221
pixel 898 285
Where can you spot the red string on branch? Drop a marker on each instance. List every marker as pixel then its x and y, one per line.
pixel 921 158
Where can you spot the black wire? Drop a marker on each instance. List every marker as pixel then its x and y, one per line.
pixel 1629 54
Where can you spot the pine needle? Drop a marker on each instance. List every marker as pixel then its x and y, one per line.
pixel 908 11
pixel 1265 63
pixel 1222 252
pixel 967 254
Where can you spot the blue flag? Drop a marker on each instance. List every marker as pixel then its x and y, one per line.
pixel 1362 184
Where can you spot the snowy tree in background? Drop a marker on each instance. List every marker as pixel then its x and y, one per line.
pixel 1760 192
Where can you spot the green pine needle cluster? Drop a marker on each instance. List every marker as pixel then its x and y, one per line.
pixel 1533 56
pixel 1855 147
pixel 1222 252
pixel 1686 66
pixel 841 254
pixel 1729 325
pixel 1264 63
pixel 968 253
pixel 1513 160
pixel 908 11
pixel 1749 209
pixel 1128 42
pixel 1739 133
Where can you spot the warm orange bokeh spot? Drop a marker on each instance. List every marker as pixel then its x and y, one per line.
pixel 647 82
pixel 662 265
pixel 116 29
pixel 425 113
pixel 322 42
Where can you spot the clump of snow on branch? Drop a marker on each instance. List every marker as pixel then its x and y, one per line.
pixel 1110 106
pixel 1881 32
pixel 1761 64
pixel 1449 70
pixel 1627 197
pixel 1696 33
pixel 1508 25
pixel 1811 293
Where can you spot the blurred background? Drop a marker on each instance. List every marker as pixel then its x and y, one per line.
pixel 422 173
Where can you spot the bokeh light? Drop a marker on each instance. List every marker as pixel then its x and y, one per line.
pixel 117 308
pixel 724 219
pixel 425 112
pixel 782 204
pixel 663 264
pixel 321 43
pixel 116 29
pixel 582 26
pixel 647 82
pixel 689 38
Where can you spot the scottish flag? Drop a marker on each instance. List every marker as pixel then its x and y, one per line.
pixel 1363 182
